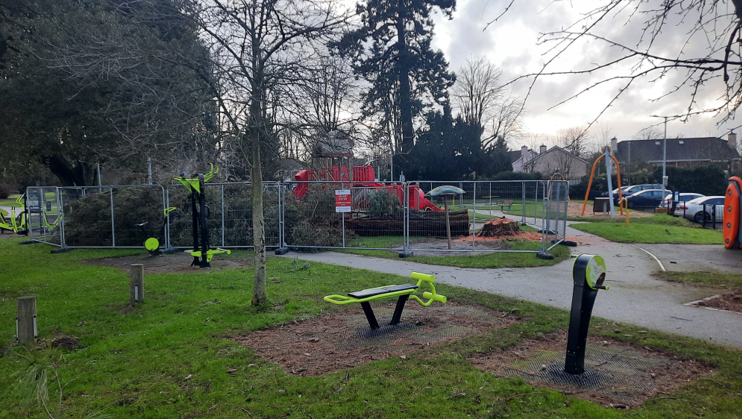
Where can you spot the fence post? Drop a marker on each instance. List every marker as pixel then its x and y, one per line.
pixel 136 284
pixel 113 222
pixel 26 320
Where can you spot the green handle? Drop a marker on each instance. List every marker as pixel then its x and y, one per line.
pixel 435 297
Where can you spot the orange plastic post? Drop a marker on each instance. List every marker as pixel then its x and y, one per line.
pixel 592 173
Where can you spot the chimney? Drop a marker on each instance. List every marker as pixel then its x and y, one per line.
pixel 542 149
pixel 614 144
pixel 732 140
pixel 524 152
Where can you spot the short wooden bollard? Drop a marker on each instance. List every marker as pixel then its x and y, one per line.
pixel 136 284
pixel 26 320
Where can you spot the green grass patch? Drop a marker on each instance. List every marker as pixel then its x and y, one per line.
pixel 475 260
pixel 650 233
pixel 704 279
pixel 134 362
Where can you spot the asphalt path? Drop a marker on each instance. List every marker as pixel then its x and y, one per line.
pixel 635 297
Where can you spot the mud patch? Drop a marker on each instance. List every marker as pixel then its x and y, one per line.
pixel 616 374
pixel 730 301
pixel 342 340
pixel 174 263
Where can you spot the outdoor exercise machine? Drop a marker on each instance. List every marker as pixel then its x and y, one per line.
pixel 17 220
pixel 733 214
pixel 202 254
pixel 403 292
pixel 151 243
pixel 588 274
pixel 606 150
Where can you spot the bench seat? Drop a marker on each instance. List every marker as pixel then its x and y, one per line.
pixel 382 290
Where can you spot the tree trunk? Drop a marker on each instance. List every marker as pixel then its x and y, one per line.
pixel 405 111
pixel 259 296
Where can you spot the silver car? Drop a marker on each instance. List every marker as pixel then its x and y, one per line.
pixel 682 198
pixel 695 210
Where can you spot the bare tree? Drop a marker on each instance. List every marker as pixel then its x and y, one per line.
pixel 705 57
pixel 259 47
pixel 575 140
pixel 481 100
pixel 649 133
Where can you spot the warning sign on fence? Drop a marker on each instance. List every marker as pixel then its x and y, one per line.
pixel 342 200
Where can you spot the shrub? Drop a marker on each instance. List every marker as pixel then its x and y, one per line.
pixel 383 203
pixel 6 190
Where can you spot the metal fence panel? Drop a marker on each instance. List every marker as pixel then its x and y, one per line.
pixel 111 216
pixel 42 206
pixel 555 230
pixel 481 201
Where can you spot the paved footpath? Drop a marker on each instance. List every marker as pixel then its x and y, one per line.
pixel 635 297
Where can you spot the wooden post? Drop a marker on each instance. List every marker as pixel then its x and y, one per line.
pixel 136 284
pixel 26 320
pixel 448 224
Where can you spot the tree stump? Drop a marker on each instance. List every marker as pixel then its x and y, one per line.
pixel 497 227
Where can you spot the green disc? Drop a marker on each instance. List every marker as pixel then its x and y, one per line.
pixel 152 244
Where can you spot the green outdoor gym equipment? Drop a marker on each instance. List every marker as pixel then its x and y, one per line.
pixel 152 244
pixel 17 220
pixel 201 255
pixel 403 292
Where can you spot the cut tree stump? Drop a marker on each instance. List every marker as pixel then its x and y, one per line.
pixel 497 227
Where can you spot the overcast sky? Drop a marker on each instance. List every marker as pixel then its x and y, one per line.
pixel 511 44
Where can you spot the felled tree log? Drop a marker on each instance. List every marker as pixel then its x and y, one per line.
pixel 497 227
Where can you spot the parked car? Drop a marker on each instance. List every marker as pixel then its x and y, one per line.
pixel 682 198
pixel 694 209
pixel 649 198
pixel 627 191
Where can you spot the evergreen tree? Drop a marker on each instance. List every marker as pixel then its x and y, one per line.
pixel 392 51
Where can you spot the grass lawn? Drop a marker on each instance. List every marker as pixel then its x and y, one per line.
pixel 661 228
pixel 475 260
pixel 704 279
pixel 170 356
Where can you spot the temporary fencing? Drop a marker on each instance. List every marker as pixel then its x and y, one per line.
pixel 399 217
pixel 42 205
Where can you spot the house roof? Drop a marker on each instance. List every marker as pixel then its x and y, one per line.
pixel 514 155
pixel 678 150
pixel 555 149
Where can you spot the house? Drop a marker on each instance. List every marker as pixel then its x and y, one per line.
pixel 680 152
pixel 547 162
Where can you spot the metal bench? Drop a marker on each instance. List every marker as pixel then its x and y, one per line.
pixel 403 292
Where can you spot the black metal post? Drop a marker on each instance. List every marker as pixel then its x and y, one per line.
pixel 202 216
pixel 588 274
pixel 194 222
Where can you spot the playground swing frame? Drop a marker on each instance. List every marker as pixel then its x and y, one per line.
pixel 592 174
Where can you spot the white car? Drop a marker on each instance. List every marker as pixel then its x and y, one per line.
pixel 682 199
pixel 694 210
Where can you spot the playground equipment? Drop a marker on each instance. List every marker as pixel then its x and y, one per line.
pixel 403 292
pixel 17 220
pixel 588 274
pixel 151 243
pixel 363 177
pixel 733 214
pixel 201 256
pixel 608 157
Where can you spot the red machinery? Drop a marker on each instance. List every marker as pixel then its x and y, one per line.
pixel 363 178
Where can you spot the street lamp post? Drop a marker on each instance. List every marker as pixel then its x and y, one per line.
pixel 664 155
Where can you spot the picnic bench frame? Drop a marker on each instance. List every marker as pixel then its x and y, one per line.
pixel 402 291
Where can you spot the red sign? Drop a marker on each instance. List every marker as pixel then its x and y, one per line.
pixel 342 200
